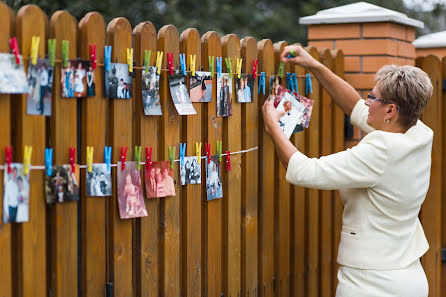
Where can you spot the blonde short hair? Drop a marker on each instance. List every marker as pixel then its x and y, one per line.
pixel 408 87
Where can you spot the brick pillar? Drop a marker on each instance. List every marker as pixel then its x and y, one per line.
pixel 431 44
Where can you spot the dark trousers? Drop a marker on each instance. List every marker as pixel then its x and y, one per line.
pixel 42 97
pixel 12 214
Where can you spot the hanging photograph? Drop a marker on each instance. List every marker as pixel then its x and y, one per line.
pixel 62 185
pixel 73 79
pixel 98 181
pixel 190 171
pixel 180 96
pixel 159 180
pixel 214 187
pixel 12 76
pixel 294 112
pixel 118 82
pixel 224 95
pixel 308 103
pixel 40 81
pixel 91 83
pixel 15 195
pixel 245 88
pixel 200 87
pixel 276 89
pixel 130 199
pixel 151 92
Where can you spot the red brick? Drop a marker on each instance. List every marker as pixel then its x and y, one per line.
pixel 373 64
pixel 368 47
pixel 410 34
pixel 352 64
pixel 387 30
pixel 360 81
pixel 322 44
pixel 437 51
pixel 406 49
pixel 333 31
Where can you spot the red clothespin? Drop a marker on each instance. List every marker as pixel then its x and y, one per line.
pixel 72 158
pixel 14 49
pixel 228 160
pixel 123 156
pixel 8 157
pixel 93 55
pixel 254 68
pixel 170 63
pixel 208 152
pixel 148 158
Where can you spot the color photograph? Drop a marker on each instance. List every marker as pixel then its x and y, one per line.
pixel 118 82
pixel 308 103
pixel 214 187
pixel 180 96
pixel 245 88
pixel 277 90
pixel 190 171
pixel 294 112
pixel 130 198
pixel 62 185
pixel 15 195
pixel 73 79
pixel 98 181
pixel 159 180
pixel 151 92
pixel 40 81
pixel 12 76
pixel 200 87
pixel 224 95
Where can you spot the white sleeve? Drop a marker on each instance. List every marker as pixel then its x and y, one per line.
pixel 359 167
pixel 359 116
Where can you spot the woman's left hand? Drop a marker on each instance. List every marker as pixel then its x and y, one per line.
pixel 271 116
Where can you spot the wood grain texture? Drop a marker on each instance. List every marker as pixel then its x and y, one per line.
pixel 119 232
pixel 63 135
pixel 443 193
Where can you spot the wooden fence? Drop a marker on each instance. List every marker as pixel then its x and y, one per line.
pixel 264 238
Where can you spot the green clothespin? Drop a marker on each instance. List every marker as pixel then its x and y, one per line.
pixel 211 65
pixel 147 55
pixel 65 50
pixel 219 150
pixel 138 157
pixel 172 156
pixel 228 66
pixel 280 72
pixel 51 51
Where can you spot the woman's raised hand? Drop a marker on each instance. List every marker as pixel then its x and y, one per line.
pixel 302 58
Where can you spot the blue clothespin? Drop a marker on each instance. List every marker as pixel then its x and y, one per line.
pixel 49 161
pixel 107 157
pixel 107 57
pixel 289 82
pixel 219 66
pixel 183 64
pixel 294 79
pixel 262 82
pixel 308 86
pixel 182 152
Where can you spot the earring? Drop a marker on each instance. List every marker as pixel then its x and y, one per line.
pixel 387 121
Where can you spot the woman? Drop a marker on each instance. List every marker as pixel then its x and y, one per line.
pixel 382 181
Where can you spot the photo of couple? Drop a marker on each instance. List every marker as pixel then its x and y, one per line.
pixel 245 88
pixel 16 195
pixel 159 180
pixel 118 82
pixel 224 95
pixel 40 80
pixel 151 92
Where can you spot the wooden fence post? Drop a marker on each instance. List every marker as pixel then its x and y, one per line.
pixel 443 180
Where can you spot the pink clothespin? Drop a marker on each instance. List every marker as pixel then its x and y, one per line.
pixel 170 63
pixel 14 49
pixel 93 55
pixel 123 156
pixel 254 68
pixel 8 157
pixel 148 158
pixel 72 158
pixel 208 152
pixel 228 160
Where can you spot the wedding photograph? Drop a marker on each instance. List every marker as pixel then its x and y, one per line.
pixel 40 81
pixel 214 187
pixel 73 79
pixel 15 195
pixel 98 181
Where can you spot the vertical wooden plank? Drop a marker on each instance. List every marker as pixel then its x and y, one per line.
pixel 266 254
pixel 94 122
pixel 443 188
pixel 250 120
pixel 192 194
pixel 63 127
pixel 431 209
pixel 232 180
pixel 146 134
pixel 119 232
pixel 7 21
pixel 211 211
pixel 170 135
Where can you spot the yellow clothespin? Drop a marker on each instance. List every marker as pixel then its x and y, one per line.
pixel 239 67
pixel 90 158
pixel 27 158
pixel 34 49
pixel 192 64
pixel 198 151
pixel 159 61
pixel 130 58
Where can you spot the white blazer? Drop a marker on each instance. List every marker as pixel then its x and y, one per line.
pixel 382 181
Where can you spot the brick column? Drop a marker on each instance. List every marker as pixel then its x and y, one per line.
pixel 431 44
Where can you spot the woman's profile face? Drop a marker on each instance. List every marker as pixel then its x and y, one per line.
pixel 377 110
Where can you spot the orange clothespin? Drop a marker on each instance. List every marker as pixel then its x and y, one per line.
pixel 228 160
pixel 93 56
pixel 15 49
pixel 72 158
pixel 123 156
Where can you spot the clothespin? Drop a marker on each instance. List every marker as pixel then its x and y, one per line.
pixel 198 151
pixel 72 158
pixel 281 67
pixel 93 56
pixel 254 68
pixel 182 152
pixel 289 83
pixel 219 66
pixel 34 49
pixel 192 59
pixel 219 145
pixel 49 161
pixel 208 152
pixel 308 84
pixel 183 64
pixel 148 158
pixel 123 156
pixel 211 65
pixel 159 61
pixel 262 82
pixel 172 156
pixel 291 54
pixel 65 51
pixel 296 86
pixel 147 55
pixel 229 66
pixel 107 157
pixel 130 59
pixel 107 57
pixel 8 157
pixel 239 67
pixel 228 160
pixel 15 50
pixel 138 157
pixel 27 158
pixel 51 51
pixel 170 63
pixel 90 150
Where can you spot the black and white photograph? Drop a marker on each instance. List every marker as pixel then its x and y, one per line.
pixel 98 181
pixel 16 195
pixel 190 171
pixel 151 92
pixel 62 185
pixel 180 96
pixel 200 87
pixel 12 76
pixel 245 88
pixel 118 82
pixel 214 187
pixel 294 112
pixel 73 79
pixel 40 81
pixel 224 95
